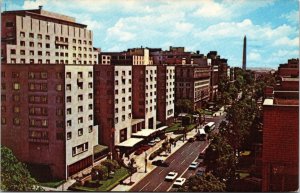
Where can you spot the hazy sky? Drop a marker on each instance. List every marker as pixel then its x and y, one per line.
pixel 271 26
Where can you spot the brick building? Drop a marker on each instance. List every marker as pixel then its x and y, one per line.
pixel 47 115
pixel 193 83
pixel 280 156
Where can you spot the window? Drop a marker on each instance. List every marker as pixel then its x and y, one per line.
pixel 79 75
pixel 3 120
pixel 69 135
pixel 90 85
pixel 31 52
pixel 80 131
pixel 39 36
pixel 44 75
pixel 69 111
pixel 22 34
pixel 31 35
pixel 16 121
pixel 13 51
pixel 90 128
pixel 90 106
pixel 80 97
pixel 68 87
pixel 90 117
pixel 59 99
pixel 90 74
pixel 40 53
pixel 16 109
pixel 47 45
pixel 80 109
pixel 16 86
pixel 22 52
pixel 69 123
pixel 39 45
pixel 69 99
pixel 15 75
pixel 80 120
pixel 47 37
pixel 90 96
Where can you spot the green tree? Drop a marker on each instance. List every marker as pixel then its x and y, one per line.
pixel 14 174
pixel 111 165
pixel 206 183
pixel 220 158
pixel 99 172
pixel 184 106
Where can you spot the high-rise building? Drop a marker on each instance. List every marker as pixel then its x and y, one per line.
pixel 47 91
pixel 244 53
pixel 47 115
pixel 43 37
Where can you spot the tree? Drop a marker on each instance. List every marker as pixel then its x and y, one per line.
pixel 184 105
pixel 99 172
pixel 14 174
pixel 131 168
pixel 111 165
pixel 206 183
pixel 220 158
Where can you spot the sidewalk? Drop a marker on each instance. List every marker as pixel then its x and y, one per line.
pixel 140 162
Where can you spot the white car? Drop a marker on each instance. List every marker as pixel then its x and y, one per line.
pixel 179 181
pixel 171 176
pixel 194 165
pixel 152 143
pixel 157 139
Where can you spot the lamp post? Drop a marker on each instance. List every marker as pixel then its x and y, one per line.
pixel 145 162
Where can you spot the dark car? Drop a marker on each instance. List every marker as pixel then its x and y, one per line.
pixel 191 140
pixel 200 171
pixel 160 163
pixel 201 155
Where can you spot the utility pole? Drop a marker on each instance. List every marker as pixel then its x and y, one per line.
pixel 145 162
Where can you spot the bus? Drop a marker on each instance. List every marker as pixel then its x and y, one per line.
pixel 209 127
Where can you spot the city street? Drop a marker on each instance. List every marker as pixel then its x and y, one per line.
pixel 179 162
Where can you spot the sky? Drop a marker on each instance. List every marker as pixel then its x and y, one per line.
pixel 271 26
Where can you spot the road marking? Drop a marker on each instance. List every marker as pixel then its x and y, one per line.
pixel 144 186
pixel 191 153
pixel 157 186
pixel 179 177
pixel 161 171
pixel 172 161
pixel 182 161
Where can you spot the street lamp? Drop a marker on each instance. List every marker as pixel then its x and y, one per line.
pixel 145 162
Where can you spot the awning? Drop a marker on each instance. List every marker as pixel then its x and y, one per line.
pixel 144 132
pixel 158 122
pixel 182 114
pixel 99 148
pixel 136 121
pixel 162 128
pixel 130 142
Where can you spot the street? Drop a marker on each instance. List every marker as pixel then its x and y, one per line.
pixel 179 162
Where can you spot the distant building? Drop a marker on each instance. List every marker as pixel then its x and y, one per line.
pixel 193 83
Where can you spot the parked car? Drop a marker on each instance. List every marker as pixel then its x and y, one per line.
pixel 145 147
pixel 179 181
pixel 161 163
pixel 171 176
pixel 194 165
pixel 201 155
pixel 152 143
pixel 200 171
pixel 192 139
pixel 157 139
pixel 138 151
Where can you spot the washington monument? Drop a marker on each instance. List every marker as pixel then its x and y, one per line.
pixel 244 53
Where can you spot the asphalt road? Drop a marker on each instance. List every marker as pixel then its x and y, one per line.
pixel 179 162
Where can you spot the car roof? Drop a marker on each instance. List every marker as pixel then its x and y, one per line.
pixel 180 179
pixel 172 173
pixel 194 162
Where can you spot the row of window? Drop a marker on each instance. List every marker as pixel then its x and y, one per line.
pixel 123 118
pixel 80 132
pixel 79 86
pixel 123 109
pixel 80 110
pixel 123 91
pixel 47 61
pixel 80 149
pixel 123 73
pixel 79 74
pixel 123 82
pixel 79 120
pixel 79 98
pixel 16 121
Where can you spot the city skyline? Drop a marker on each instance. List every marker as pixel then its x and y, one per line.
pixel 118 25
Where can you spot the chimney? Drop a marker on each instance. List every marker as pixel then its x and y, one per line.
pixel 40 7
pixel 198 52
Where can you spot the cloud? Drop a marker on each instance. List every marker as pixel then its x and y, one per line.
pixel 292 16
pixel 212 9
pixel 254 56
pixel 285 41
pixel 118 32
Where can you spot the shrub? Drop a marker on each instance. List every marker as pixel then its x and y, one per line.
pixel 111 165
pixel 92 184
pixel 99 172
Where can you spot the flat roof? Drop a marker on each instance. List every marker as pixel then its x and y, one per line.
pixel 130 142
pixel 144 132
pixel 268 102
pixel 162 128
